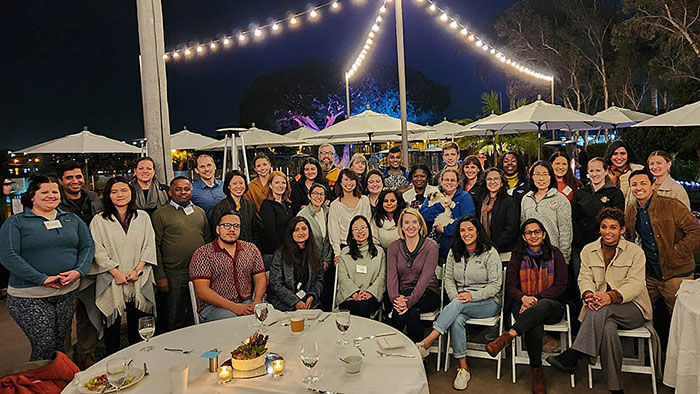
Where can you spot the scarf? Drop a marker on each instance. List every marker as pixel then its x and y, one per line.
pixel 534 278
pixel 156 197
pixel 410 256
pixel 616 173
pixel 486 208
pixel 512 180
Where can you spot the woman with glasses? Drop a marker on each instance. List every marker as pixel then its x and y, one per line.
pixel 544 203
pixel 498 212
pixel 235 187
pixel 535 282
pixel 361 271
pixel 309 173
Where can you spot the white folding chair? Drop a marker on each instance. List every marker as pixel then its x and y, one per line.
pixel 634 365
pixel 477 349
pixel 193 300
pixel 432 316
pixel 519 355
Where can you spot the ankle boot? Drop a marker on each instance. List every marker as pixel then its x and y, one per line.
pixel 538 383
pixel 494 347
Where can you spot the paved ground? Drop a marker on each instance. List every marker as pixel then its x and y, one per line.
pixel 14 349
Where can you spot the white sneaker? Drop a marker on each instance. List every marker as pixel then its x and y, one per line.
pixel 462 379
pixel 422 350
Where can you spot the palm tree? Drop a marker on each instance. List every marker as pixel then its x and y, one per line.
pixel 491 103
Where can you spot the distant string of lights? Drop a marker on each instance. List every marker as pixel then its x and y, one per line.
pixel 479 42
pixel 371 37
pixel 254 32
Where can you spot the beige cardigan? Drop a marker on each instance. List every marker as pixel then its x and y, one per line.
pixel 350 279
pixel 116 249
pixel 670 188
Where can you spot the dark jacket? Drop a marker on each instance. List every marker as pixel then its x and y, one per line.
pixel 91 205
pixel 299 196
pixel 586 205
pixel 275 217
pixel 464 205
pixel 555 292
pixel 477 192
pixel 677 233
pixel 250 224
pixel 520 190
pixel 505 222
pixel 282 292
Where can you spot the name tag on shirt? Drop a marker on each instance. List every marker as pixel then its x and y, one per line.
pixel 567 190
pixel 301 293
pixel 52 224
pixel 188 210
pixel 361 269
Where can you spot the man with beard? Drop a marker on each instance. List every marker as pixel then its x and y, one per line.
pixel 515 172
pixel 228 274
pixel 326 155
pixel 181 228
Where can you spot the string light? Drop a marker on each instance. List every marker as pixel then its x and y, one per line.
pixel 374 30
pixel 480 43
pixel 258 32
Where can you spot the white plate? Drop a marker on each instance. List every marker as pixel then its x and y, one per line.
pixel 136 374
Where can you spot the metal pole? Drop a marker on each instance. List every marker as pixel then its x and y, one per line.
pixel 552 87
pixel 223 171
pixel 347 93
pixel 402 79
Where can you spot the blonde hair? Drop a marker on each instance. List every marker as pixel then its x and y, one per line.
pixel 269 195
pixel 423 231
pixel 446 170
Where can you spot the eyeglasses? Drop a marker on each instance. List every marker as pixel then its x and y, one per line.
pixel 359 229
pixel 318 194
pixel 536 233
pixel 540 175
pixel 229 226
pixel 325 153
pixel 493 180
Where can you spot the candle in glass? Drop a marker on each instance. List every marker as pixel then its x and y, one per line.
pixel 224 374
pixel 278 368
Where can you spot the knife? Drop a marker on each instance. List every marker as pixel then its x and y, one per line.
pixel 324 318
pixel 395 354
pixel 386 334
pixel 323 391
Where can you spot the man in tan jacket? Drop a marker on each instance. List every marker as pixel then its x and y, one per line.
pixel 667 232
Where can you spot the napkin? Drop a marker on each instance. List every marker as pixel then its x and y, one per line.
pixel 390 342
pixel 309 314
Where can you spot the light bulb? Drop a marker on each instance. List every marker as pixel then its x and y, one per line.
pixel 493 51
pixel 382 9
pixel 275 26
pixel 432 8
pixel 241 37
pixel 375 27
pixel 335 5
pixel 165 56
pixel 366 46
pixel 471 37
pixel 187 51
pixel 293 21
pixel 199 48
pixel 313 13
pixel 369 41
pixel 485 47
pixel 257 32
pixel 379 18
pixel 371 34
pixel 479 43
pixel 176 55
pixel 453 24
pixel 212 46
pixel 443 17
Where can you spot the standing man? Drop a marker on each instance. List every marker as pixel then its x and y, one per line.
pixel 207 191
pixel 85 204
pixel 669 234
pixel 326 155
pixel 181 228
pixel 228 274
pixel 450 158
pixel 395 175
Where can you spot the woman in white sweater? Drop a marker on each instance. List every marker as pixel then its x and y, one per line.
pixel 125 254
pixel 350 203
pixel 390 204
pixel 544 203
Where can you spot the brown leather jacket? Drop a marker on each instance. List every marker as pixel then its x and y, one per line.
pixel 677 233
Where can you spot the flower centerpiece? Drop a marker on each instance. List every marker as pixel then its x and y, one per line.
pixel 251 354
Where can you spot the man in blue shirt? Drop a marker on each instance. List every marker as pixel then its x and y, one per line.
pixel 207 191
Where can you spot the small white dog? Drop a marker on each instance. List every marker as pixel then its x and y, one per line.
pixel 444 218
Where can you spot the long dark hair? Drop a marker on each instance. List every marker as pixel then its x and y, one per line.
pixel 547 248
pixel 365 181
pixel 459 248
pixel 319 173
pixel 380 214
pixel 472 159
pixel 522 170
pixel 229 178
pixel 550 170
pixel 503 191
pixel 34 186
pixel 338 189
pixel 110 211
pixel 352 244
pixel 291 253
pixel 569 177
pixel 631 157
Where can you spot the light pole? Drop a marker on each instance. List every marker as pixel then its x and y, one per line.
pixel 347 93
pixel 402 79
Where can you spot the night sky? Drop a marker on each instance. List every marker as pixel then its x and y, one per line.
pixel 72 63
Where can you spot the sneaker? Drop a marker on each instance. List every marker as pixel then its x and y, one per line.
pixel 462 379
pixel 422 350
pixel 494 347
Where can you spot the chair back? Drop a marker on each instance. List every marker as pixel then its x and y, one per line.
pixel 193 300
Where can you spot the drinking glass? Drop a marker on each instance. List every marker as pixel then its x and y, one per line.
pixel 117 372
pixel 261 312
pixel 342 322
pixel 309 357
pixel 147 327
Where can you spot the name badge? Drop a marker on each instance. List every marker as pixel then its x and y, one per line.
pixel 301 294
pixel 188 210
pixel 567 190
pixel 52 224
pixel 361 269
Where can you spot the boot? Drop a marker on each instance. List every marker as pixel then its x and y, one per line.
pixel 538 384
pixel 566 361
pixel 494 347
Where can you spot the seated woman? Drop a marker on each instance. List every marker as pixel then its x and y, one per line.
pixel 473 283
pixel 410 275
pixel 535 282
pixel 614 293
pixel 361 271
pixel 296 275
pixel 384 219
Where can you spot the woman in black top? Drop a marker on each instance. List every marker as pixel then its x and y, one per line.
pixel 309 173
pixel 473 174
pixel 275 213
pixel 498 212
pixel 235 187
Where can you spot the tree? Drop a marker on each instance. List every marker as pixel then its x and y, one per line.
pixel 491 103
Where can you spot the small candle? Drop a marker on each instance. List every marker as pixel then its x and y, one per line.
pixel 278 368
pixel 224 374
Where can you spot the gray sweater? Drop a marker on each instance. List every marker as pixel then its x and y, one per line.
pixel 480 275
pixel 351 280
pixel 554 211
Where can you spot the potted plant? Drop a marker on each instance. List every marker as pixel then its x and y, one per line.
pixel 251 354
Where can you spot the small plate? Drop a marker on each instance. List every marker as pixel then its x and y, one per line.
pixel 136 376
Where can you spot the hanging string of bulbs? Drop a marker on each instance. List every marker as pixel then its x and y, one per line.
pixel 371 36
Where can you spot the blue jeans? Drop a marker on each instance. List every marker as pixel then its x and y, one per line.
pixel 211 312
pixel 456 313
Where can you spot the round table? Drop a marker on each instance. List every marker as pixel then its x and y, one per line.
pixel 683 351
pixel 396 375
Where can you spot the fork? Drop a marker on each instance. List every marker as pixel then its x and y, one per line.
pixel 145 370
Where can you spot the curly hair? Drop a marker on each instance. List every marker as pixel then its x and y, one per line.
pixel 611 213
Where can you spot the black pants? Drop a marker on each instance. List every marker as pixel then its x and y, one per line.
pixel 327 292
pixel 112 333
pixel 531 323
pixel 364 308
pixel 410 320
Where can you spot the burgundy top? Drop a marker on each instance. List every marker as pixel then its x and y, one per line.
pixel 553 292
pixel 420 276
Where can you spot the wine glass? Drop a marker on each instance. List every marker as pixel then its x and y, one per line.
pixel 261 312
pixel 147 327
pixel 342 322
pixel 309 357
pixel 117 372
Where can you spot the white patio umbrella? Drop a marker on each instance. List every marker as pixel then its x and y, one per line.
pixel 82 142
pixel 301 133
pixel 542 116
pixel 367 124
pixel 686 116
pixel 621 117
pixel 447 129
pixel 186 139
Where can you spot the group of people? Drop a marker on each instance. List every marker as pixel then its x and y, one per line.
pixel 365 240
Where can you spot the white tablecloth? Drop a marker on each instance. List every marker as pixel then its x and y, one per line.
pixel 683 353
pixel 393 375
